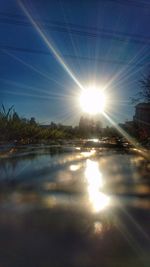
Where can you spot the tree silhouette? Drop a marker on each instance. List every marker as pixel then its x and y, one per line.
pixel 144 93
pixel 145 86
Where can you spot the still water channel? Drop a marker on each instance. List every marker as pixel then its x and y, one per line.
pixel 73 206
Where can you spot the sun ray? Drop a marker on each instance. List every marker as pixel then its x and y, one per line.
pixel 136 224
pixel 46 97
pixel 70 35
pixel 132 140
pixel 125 70
pixel 121 226
pixel 40 90
pixel 49 45
pixel 31 67
pixel 71 113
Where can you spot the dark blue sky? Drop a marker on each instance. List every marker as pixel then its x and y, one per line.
pixel 105 41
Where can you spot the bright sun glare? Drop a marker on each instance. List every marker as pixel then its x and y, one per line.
pixel 92 101
pixel 94 179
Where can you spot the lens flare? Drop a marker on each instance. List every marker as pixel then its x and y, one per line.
pixel 49 44
pixel 92 101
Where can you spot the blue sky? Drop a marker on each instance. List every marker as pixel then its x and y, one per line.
pixel 105 42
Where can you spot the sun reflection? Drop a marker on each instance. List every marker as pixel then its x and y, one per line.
pixel 98 227
pixel 74 167
pixel 95 140
pixel 92 174
pixel 95 182
pixel 88 153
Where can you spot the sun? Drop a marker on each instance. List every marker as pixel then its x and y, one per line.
pixel 92 101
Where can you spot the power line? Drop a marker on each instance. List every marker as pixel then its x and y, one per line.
pixel 35 51
pixel 135 3
pixel 109 61
pixel 74 28
pixel 46 22
pixel 73 25
pixel 84 31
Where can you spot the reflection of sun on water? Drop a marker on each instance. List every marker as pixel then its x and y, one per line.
pixel 98 227
pixel 74 167
pixel 92 174
pixel 94 180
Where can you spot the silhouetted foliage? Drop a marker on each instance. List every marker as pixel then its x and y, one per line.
pixel 22 130
pixel 15 128
pixel 144 93
pixel 145 86
pixel 89 127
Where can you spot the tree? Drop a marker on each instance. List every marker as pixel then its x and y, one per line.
pixel 145 86
pixel 144 93
pixel 32 121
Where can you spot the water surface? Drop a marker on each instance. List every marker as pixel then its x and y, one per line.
pixel 69 206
